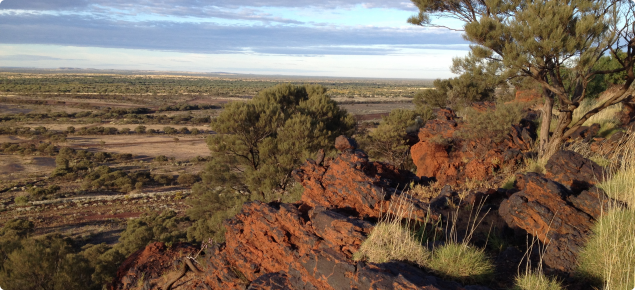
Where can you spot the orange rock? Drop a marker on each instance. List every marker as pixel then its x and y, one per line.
pixel 442 155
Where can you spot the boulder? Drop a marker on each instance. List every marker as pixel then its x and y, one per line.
pixel 149 264
pixel 443 155
pixel 350 181
pixel 541 209
pixel 342 143
pixel 574 171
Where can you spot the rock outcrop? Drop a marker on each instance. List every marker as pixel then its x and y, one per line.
pixel 559 208
pixel 352 182
pixel 574 171
pixel 541 209
pixel 443 155
pixel 307 245
pixel 150 264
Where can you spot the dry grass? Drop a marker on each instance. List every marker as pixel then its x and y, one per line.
pixel 606 118
pixel 621 184
pixel 536 281
pixel 390 240
pixel 584 149
pixel 609 256
pixel 462 262
pixel 534 165
pixel 425 192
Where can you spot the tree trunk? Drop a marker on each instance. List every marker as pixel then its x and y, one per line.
pixel 545 126
pixel 557 138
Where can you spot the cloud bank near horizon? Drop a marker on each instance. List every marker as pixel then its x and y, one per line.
pixel 371 28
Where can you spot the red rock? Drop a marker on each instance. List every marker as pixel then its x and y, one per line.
pixel 342 143
pixel 149 264
pixel 541 209
pixel 573 170
pixel 351 181
pixel 527 96
pixel 444 156
pixel 282 246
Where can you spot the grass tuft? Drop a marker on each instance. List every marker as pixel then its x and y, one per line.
pixel 536 281
pixel 461 262
pixel 390 240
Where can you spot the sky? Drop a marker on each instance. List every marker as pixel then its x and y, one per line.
pixel 338 38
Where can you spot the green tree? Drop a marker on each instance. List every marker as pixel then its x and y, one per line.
pixel 46 263
pixel 266 138
pixel 257 146
pixel 555 43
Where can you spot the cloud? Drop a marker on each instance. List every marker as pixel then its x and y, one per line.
pixel 320 50
pixel 169 6
pixel 30 57
pixel 43 4
pixel 208 37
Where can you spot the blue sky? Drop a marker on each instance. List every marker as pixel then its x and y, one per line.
pixel 349 38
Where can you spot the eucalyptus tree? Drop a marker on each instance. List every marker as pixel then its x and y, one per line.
pixel 555 43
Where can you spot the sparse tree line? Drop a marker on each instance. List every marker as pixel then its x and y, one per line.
pixel 128 116
pixel 72 165
pixel 108 86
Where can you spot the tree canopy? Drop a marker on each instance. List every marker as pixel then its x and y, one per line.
pixel 257 146
pixel 557 44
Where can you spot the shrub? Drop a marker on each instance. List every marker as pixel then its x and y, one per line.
pixel 21 200
pixel 139 232
pixel 169 130
pixel 209 208
pixel 162 179
pixel 388 142
pixel 491 123
pixel 46 263
pixel 140 129
pixel 161 158
pixel 275 132
pixel 187 179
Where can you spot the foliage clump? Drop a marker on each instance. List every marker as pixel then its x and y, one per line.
pixel 493 123
pixel 389 142
pixel 57 262
pixel 259 143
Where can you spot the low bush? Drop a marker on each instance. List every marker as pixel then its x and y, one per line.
pixel 389 142
pixel 187 179
pixel 493 123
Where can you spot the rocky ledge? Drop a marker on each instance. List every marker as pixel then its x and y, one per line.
pixel 310 244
